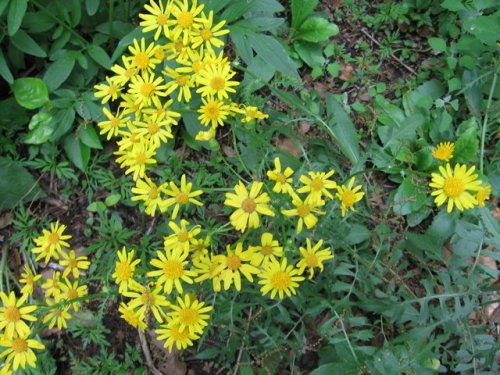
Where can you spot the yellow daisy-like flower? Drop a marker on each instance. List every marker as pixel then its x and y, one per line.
pixel 186 20
pixel 57 315
pixel 109 91
pixel 143 57
pixel 131 317
pixel 71 291
pixel 283 178
pixel 181 81
pixel 124 270
pixel 123 73
pixel 209 267
pixel 162 110
pixel 146 190
pixel 13 314
pixel 213 112
pixel 455 186
pixel 73 263
pixel 268 250
pixel 207 36
pixel 111 127
pixel 215 80
pixel 138 158
pixel 157 19
pixel 199 247
pixel 145 87
pixel 444 151
pixel 182 237
pixel 279 278
pixel 305 210
pixel 317 185
pixel 51 242
pixel 236 263
pixel 181 195
pixel 19 351
pixel 191 314
pixel 174 335
pixel 156 129
pixel 249 205
pixel 205 136
pixel 29 280
pixel 348 196
pixel 146 300
pixel 52 286
pixel 312 257
pixel 172 269
pixel 251 113
pixel 483 194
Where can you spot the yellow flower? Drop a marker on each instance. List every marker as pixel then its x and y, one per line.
pixel 209 267
pixel 455 186
pixel 138 158
pixel 305 210
pixel 131 317
pixel 267 251
pixel 181 196
pixel 249 205
pixel 172 269
pixel 200 247
pixel 190 314
pixel 156 129
pixel 52 286
pixel 312 257
pixel 146 190
pixel 145 87
pixel 279 278
pixel 13 314
pixel 205 136
pixel 483 194
pixel 50 243
pixel 124 270
pixel 213 112
pixel 57 315
pixel 147 300
pixel 348 196
pixel 215 80
pixel 236 262
pixel 207 35
pixel 18 351
pixel 174 335
pixel 113 124
pixel 29 279
pixel 185 19
pixel 163 110
pixel 317 185
pixel 73 263
pixel 444 151
pixel 107 91
pixel 182 237
pixel 179 81
pixel 157 19
pixel 251 113
pixel 72 291
pixel 283 178
pixel 142 56
pixel 123 73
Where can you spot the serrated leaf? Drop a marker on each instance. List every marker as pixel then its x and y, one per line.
pixel 27 44
pixel 99 55
pixel 30 92
pixel 77 152
pixel 317 29
pixel 41 128
pixel 301 9
pixel 89 137
pixel 17 10
pixel 4 69
pixel 59 71
pixel 92 6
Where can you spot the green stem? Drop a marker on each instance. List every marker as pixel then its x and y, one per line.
pixel 485 121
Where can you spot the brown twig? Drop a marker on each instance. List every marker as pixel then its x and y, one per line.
pixel 147 354
pixel 240 353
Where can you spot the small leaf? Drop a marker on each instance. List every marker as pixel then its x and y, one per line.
pixel 89 137
pixel 99 55
pixel 27 44
pixel 112 199
pixel 437 44
pixel 41 128
pixel 4 69
pixel 77 152
pixel 59 71
pixel 408 198
pixel 317 29
pixel 30 92
pixel 16 14
pixel 92 6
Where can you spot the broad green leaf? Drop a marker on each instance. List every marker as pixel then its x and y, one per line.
pixel 310 53
pixel 240 40
pixel 343 129
pixel 437 44
pixel 63 122
pixel 30 92
pixel 326 369
pixel 16 184
pixel 125 42
pixel 99 55
pixel 453 5
pixel 15 16
pixel 317 29
pixel 89 137
pixel 3 5
pixel 472 92
pixel 77 152
pixel 409 197
pixel 466 146
pixel 192 127
pixel 483 28
pixel 236 10
pixel 27 44
pixel 92 6
pixel 59 71
pixel 4 69
pixel 76 12
pixel 260 24
pixel 268 48
pixel 41 128
pixel 301 9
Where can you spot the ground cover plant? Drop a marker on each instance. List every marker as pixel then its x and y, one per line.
pixel 249 187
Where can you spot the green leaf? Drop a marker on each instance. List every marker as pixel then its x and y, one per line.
pixel 63 122
pixel 310 53
pixel 30 92
pixel 77 152
pixel 236 10
pixel 343 129
pixel 408 197
pixel 3 5
pixel 4 69
pixel 453 5
pixel 466 146
pixel 269 49
pixel 16 184
pixel 76 12
pixel 301 9
pixel 92 6
pixel 27 44
pixel 99 55
pixel 59 71
pixel 41 128
pixel 483 28
pixel 437 44
pixel 112 199
pixel 327 369
pixel 317 29
pixel 15 16
pixel 89 137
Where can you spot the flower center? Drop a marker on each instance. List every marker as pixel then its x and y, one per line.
pixel 248 205
pixel 172 269
pixel 266 250
pixel 233 262
pixel 280 280
pixel 218 83
pixel 148 298
pixel 147 89
pixel 112 90
pixel 251 112
pixel 348 198
pixel 188 316
pixel 72 263
pixel 182 198
pixel 183 236
pixel 161 19
pixel 72 294
pixel 153 192
pixel 317 184
pixel 12 314
pixel 179 335
pixel 281 178
pixel 185 20
pixel 212 111
pixel 115 122
pixel 140 158
pixel 453 187
pixel 123 271
pixel 312 260
pixel 206 34
pixel 303 210
pixel 142 60
pixel 130 72
pixel 19 345
pixel 182 80
pixel 197 66
pixel 153 128
pixel 53 238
